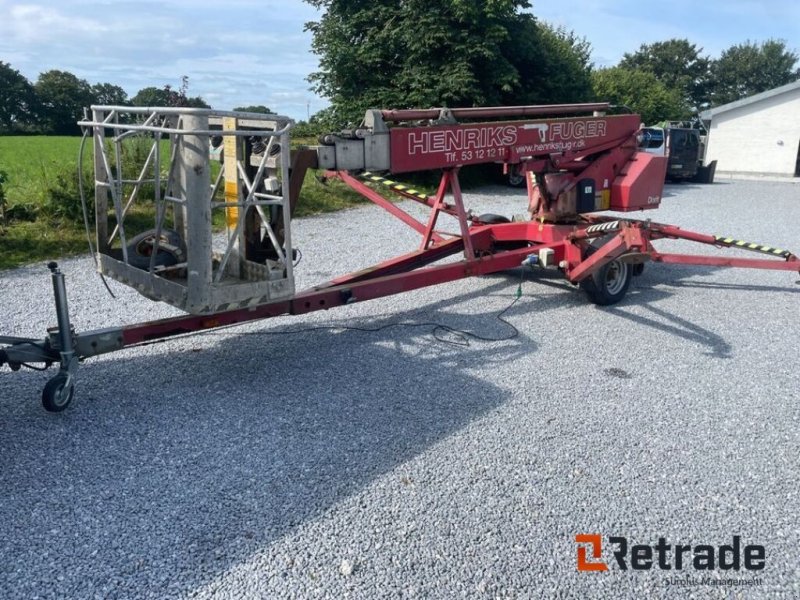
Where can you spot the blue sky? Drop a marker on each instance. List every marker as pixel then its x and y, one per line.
pixel 239 52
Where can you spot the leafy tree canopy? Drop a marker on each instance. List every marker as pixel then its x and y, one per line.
pixel 167 96
pixel 423 53
pixel 678 64
pixel 641 91
pixel 108 94
pixel 554 65
pixel 62 98
pixel 746 69
pixel 17 99
pixel 151 96
pixel 257 108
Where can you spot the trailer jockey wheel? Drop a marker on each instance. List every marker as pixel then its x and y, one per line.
pixel 58 393
pixel 609 284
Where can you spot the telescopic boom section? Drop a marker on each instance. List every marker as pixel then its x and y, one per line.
pixel 578 158
pixel 488 112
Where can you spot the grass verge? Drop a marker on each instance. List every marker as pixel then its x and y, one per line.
pixel 41 184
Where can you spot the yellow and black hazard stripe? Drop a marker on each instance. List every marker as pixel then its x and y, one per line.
pixel 393 185
pixel 732 243
pixel 606 226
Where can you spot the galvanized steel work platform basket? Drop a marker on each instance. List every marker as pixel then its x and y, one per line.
pixel 164 177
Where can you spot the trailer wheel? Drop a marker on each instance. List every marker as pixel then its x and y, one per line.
pixel 493 219
pixel 171 249
pixel 58 393
pixel 609 284
pixel 515 178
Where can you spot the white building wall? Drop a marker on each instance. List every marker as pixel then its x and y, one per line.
pixel 759 138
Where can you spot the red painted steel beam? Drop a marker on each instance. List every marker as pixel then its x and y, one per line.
pixel 606 253
pixel 438 202
pixel 660 231
pixel 628 238
pixel 163 328
pixel 463 222
pixel 406 262
pixel 721 261
pixel 442 146
pixel 376 198
pixel 530 231
pixel 313 300
pixel 495 111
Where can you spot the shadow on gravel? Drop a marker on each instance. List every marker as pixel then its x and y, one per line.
pixel 674 188
pixel 790 287
pixel 671 323
pixel 645 292
pixel 655 285
pixel 173 468
pixel 178 465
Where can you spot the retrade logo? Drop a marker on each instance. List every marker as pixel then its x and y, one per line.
pixel 595 542
pixel 666 556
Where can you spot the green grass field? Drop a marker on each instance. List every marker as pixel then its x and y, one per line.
pixel 33 166
pixel 33 162
pixel 42 215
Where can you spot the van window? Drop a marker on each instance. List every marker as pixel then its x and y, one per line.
pixel 652 138
pixel 682 138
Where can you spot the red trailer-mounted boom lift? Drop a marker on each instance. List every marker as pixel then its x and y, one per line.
pixel 578 160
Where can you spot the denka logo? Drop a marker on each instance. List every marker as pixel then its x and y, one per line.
pixel 666 556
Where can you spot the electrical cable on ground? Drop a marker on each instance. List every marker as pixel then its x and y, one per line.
pixel 439 330
pixel 460 337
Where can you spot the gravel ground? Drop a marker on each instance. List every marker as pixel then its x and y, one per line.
pixel 344 464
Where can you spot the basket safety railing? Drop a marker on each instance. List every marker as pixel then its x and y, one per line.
pixel 175 261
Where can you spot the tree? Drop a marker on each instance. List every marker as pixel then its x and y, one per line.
pixel 62 98
pixel 258 108
pixel 151 96
pixel 554 64
pixel 641 92
pixel 423 53
pixel 17 99
pixel 109 95
pixel 746 69
pixel 166 96
pixel 677 64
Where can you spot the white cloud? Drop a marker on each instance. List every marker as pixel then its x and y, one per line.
pixel 30 23
pixel 235 52
pixel 238 52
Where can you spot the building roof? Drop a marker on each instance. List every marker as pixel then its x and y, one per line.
pixel 707 115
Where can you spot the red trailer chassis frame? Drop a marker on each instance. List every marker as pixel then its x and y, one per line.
pixel 485 250
pixel 580 250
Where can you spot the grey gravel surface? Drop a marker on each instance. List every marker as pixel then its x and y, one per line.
pixel 343 464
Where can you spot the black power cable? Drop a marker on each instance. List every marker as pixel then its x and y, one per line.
pixel 439 330
pixel 86 211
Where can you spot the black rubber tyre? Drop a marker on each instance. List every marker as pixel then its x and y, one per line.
pixel 609 284
pixel 140 249
pixel 57 395
pixel 515 178
pixel 493 219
